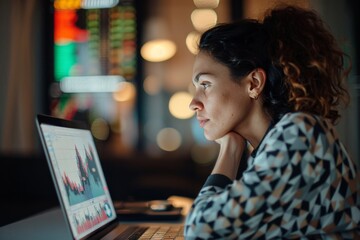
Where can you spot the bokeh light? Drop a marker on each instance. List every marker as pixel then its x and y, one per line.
pixel 152 85
pixel 168 139
pixel 204 154
pixel 100 129
pixel 203 19
pixel 179 105
pixel 158 50
pixel 192 42
pixel 125 93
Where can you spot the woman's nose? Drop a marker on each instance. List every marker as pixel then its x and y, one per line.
pixel 195 105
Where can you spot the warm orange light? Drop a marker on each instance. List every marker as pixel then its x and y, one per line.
pixel 67 4
pixel 158 50
pixel 203 19
pixel 192 42
pixel 179 105
pixel 125 93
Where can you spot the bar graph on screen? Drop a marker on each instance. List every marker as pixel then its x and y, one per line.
pixel 90 217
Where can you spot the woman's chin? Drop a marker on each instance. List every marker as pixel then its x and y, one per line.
pixel 208 137
pixel 211 137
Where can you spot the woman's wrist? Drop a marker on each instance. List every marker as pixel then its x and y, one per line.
pixel 229 156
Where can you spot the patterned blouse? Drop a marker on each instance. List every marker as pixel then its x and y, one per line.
pixel 300 184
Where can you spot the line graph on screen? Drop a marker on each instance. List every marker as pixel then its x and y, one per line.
pixel 79 172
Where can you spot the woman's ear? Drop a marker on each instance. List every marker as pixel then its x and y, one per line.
pixel 257 79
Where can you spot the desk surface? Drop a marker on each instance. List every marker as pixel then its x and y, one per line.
pixel 51 225
pixel 56 228
pixel 33 227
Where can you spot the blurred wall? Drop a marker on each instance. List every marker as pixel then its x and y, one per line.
pixel 342 18
pixel 21 68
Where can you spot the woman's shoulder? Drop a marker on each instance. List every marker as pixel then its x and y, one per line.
pixel 296 127
pixel 304 122
pixel 299 134
pixel 300 117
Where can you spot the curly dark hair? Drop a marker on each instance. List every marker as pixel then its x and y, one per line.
pixel 304 65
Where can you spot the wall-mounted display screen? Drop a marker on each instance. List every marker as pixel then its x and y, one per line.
pixel 95 42
pixel 94 49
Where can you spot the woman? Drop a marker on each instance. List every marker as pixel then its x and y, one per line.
pixel 275 85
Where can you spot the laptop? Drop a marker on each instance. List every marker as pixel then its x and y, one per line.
pixel 81 186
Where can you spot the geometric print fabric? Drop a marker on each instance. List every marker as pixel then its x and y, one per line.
pixel 300 184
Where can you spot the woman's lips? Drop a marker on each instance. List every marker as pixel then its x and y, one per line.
pixel 202 122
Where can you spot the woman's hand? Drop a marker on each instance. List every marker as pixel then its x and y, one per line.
pixel 232 146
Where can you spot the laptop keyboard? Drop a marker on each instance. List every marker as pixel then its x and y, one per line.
pixel 157 233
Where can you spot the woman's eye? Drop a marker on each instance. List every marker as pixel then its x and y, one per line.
pixel 204 85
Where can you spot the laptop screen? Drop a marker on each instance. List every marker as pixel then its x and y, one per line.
pixel 78 176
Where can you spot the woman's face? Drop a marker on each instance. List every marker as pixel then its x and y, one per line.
pixel 221 104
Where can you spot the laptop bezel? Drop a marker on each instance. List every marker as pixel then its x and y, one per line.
pixel 53 121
